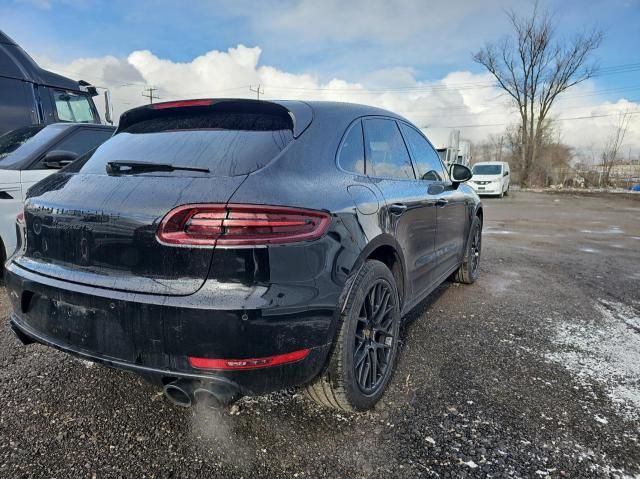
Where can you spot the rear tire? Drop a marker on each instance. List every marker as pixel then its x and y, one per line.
pixel 365 352
pixel 468 271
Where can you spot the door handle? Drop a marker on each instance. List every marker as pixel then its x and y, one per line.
pixel 442 202
pixel 397 208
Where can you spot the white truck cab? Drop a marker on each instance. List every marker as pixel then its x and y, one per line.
pixel 491 178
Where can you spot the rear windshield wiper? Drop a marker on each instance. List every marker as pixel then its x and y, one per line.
pixel 133 167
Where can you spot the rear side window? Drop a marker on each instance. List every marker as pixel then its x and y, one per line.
pixel 386 153
pixel 425 157
pixel 73 107
pixel 351 155
pixel 228 144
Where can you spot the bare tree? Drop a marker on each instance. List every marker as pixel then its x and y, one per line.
pixel 609 154
pixel 497 141
pixel 533 67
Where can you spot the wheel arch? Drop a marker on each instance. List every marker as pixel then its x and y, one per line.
pixel 386 249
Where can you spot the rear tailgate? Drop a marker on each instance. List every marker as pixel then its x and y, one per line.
pixel 101 230
pixel 96 224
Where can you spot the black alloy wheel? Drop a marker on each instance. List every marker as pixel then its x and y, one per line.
pixel 366 347
pixel 374 337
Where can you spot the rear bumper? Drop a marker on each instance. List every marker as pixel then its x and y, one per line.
pixel 155 335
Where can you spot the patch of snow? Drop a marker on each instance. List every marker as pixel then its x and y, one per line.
pixel 87 364
pixel 586 249
pixel 492 231
pixel 470 464
pixel 601 420
pixel 430 440
pixel 605 352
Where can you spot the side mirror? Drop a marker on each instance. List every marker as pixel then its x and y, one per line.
pixel 459 173
pixel 59 159
pixel 506 173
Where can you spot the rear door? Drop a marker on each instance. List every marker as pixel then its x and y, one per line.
pixel 409 213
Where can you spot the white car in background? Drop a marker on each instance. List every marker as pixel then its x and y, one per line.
pixel 491 178
pixel 29 154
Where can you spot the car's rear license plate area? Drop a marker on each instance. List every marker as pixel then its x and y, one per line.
pixel 94 330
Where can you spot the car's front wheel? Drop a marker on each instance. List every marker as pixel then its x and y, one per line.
pixel 365 351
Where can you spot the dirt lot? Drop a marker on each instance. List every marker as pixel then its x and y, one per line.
pixel 533 371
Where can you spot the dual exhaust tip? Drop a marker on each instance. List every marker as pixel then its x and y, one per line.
pixel 212 395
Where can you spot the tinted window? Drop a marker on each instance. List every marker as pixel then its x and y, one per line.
pixel 73 107
pixel 79 142
pixel 12 140
pixel 386 153
pixel 425 158
pixel 487 169
pixel 39 140
pixel 228 144
pixel 351 155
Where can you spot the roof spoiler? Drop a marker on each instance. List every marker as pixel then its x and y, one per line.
pixel 299 113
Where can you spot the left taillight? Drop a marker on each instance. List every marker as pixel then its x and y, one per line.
pixel 240 225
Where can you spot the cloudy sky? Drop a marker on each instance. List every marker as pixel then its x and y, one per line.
pixel 411 56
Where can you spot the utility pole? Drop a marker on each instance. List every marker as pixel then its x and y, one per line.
pixel 150 95
pixel 258 91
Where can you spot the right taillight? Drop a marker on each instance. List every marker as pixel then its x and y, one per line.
pixel 240 225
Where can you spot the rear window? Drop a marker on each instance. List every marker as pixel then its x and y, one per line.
pixel 228 144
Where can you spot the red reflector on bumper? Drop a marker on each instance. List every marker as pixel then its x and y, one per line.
pixel 254 363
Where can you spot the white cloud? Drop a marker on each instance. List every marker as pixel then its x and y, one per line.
pixel 458 99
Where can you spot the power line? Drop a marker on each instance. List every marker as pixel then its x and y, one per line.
pixel 362 90
pixel 552 119
pixel 151 96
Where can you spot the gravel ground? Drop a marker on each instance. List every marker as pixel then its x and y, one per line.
pixel 533 371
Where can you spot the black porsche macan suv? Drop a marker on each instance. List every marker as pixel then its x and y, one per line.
pixel 235 247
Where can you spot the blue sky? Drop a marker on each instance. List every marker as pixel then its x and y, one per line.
pixel 186 47
pixel 180 31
